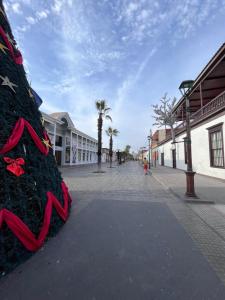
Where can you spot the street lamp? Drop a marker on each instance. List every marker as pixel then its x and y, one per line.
pixel 149 149
pixel 184 88
pixel 118 156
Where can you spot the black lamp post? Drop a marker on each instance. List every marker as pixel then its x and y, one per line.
pixel 118 157
pixel 149 149
pixel 184 88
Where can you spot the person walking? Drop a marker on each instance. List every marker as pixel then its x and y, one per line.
pixel 145 166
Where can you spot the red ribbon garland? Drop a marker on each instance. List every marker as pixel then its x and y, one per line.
pixel 21 230
pixel 16 136
pixel 17 57
pixel 14 165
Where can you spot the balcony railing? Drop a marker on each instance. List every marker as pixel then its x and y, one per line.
pixel 212 107
pixel 209 109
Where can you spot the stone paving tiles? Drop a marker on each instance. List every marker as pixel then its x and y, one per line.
pixel 127 237
pixel 203 223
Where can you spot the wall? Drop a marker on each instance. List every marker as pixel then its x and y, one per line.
pixel 200 150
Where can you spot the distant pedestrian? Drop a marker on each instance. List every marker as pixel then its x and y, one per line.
pixel 145 166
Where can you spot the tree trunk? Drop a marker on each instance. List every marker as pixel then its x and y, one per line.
pixel 110 150
pixel 173 133
pixel 99 141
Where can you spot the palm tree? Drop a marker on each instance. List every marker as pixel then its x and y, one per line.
pixel 103 110
pixel 111 132
pixel 127 152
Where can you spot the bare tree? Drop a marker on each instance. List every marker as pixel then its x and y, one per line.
pixel 163 114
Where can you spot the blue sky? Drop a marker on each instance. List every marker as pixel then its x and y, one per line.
pixel 129 52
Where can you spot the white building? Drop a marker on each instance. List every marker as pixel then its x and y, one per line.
pixel 70 146
pixel 207 105
pixel 106 157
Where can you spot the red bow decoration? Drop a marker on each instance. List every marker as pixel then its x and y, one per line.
pixel 15 165
pixel 16 55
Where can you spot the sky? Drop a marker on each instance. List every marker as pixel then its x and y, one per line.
pixel 128 52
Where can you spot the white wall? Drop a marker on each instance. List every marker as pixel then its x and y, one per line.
pixel 200 150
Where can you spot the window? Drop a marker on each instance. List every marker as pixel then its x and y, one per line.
pixel 58 141
pixel 67 141
pixel 216 146
pixel 83 155
pixel 79 155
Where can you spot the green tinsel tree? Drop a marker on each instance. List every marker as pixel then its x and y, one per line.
pixel 27 174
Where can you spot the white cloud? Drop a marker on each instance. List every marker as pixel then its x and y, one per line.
pixel 16 8
pixel 49 107
pixel 31 20
pixel 144 20
pixel 57 6
pixel 27 2
pixel 22 28
pixel 130 83
pixel 143 15
pixel 6 6
pixel 131 8
pixel 42 14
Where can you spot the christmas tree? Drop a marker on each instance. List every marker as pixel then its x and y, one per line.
pixel 34 200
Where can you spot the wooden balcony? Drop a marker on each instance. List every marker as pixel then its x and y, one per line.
pixel 210 109
pixel 213 107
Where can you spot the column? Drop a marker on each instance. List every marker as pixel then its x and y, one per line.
pixel 87 151
pixel 82 149
pixel 71 153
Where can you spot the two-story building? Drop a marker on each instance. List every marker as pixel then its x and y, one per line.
pixel 207 121
pixel 70 146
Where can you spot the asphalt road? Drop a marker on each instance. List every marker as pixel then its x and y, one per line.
pixel 121 242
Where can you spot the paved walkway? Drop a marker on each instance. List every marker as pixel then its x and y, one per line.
pixel 127 237
pixel 207 188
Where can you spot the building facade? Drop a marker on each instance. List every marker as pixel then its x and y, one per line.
pixel 207 121
pixel 143 154
pixel 106 156
pixel 158 136
pixel 70 146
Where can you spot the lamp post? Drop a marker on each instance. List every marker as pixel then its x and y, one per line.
pixel 184 88
pixel 149 149
pixel 118 156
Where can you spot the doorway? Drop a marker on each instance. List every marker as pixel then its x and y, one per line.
pixel 58 157
pixel 174 158
pixel 162 159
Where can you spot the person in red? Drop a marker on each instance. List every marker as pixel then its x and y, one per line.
pixel 145 166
